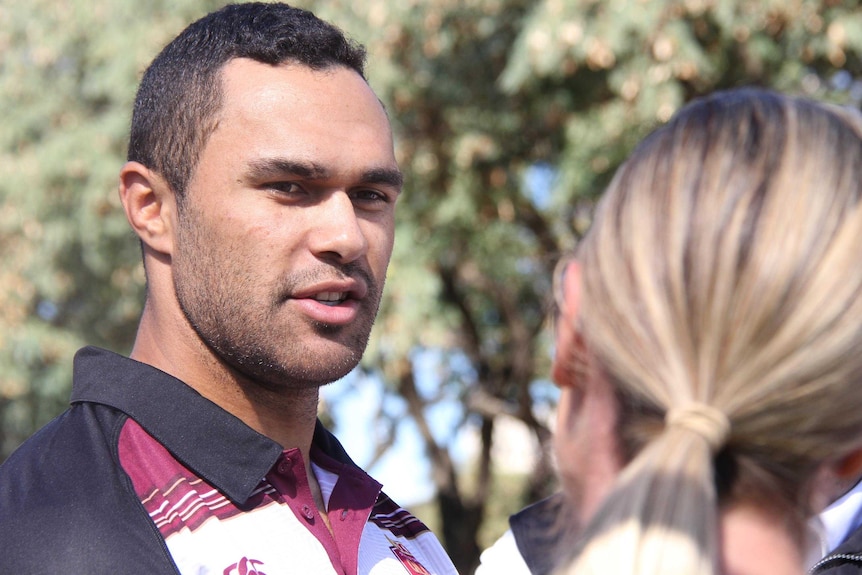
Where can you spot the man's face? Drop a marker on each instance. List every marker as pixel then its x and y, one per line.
pixel 287 226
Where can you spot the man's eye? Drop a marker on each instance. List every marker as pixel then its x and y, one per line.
pixel 286 188
pixel 370 196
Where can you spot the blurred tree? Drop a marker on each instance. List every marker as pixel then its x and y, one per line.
pixel 510 115
pixel 71 270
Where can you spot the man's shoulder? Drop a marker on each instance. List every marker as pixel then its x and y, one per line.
pixel 63 439
pixel 65 504
pixel 60 467
pixel 37 456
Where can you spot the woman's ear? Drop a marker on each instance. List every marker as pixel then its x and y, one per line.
pixel 150 206
pixel 849 467
pixel 568 342
pixel 588 453
pixel 835 478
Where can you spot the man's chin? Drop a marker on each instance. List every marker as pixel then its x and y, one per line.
pixel 327 368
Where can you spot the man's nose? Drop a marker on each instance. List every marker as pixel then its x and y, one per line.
pixel 337 233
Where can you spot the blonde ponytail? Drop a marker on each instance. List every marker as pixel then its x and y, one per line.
pixel 722 297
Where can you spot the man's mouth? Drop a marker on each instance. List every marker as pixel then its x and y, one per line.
pixel 331 298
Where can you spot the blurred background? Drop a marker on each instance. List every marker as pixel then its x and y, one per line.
pixel 510 117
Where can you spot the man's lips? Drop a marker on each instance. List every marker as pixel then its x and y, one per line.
pixel 333 292
pixel 331 297
pixel 333 303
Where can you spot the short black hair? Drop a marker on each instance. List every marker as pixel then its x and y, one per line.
pixel 181 93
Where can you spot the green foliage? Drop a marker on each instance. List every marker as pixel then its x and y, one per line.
pixel 71 272
pixel 481 93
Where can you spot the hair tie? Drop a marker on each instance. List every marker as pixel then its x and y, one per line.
pixel 704 420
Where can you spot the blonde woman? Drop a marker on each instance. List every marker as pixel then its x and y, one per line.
pixel 709 343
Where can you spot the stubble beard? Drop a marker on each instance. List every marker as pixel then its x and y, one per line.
pixel 245 343
pixel 248 336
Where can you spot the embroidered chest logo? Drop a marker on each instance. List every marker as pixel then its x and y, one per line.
pixel 407 559
pixel 245 566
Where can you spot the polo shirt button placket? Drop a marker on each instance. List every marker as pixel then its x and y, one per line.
pixel 343 514
pixel 307 512
pixel 285 466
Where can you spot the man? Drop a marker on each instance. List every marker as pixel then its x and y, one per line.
pixel 262 183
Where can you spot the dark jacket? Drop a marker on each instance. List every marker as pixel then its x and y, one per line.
pixel 846 559
pixel 540 535
pixel 540 542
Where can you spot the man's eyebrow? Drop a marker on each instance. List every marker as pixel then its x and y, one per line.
pixel 266 168
pixel 279 167
pixel 386 176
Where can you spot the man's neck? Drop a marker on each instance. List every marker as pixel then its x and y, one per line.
pixel 286 415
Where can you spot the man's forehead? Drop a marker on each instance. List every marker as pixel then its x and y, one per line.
pixel 290 119
pixel 338 92
pixel 243 74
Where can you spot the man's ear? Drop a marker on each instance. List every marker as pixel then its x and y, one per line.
pixel 569 344
pixel 150 206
